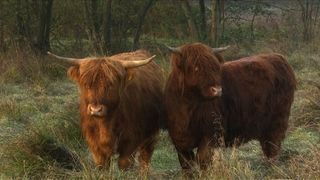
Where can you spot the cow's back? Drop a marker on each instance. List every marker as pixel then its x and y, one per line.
pixel 257 95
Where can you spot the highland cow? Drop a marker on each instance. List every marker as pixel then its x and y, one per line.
pixel 212 104
pixel 120 105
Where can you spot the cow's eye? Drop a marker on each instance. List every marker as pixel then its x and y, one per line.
pixel 196 69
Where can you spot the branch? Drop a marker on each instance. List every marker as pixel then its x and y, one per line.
pixel 314 102
pixel 268 4
pixel 317 85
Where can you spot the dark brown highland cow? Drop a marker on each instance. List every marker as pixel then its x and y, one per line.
pixel 211 104
pixel 120 105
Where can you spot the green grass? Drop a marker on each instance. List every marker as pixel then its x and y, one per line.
pixel 39 114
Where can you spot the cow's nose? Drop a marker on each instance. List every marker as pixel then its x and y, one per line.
pixel 95 109
pixel 216 90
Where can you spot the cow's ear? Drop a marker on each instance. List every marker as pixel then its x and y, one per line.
pixel 178 61
pixel 73 73
pixel 219 58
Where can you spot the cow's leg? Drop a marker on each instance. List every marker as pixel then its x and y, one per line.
pixel 271 144
pixel 125 162
pixel 186 159
pixel 270 148
pixel 127 150
pixel 101 155
pixel 204 153
pixel 100 142
pixel 100 158
pixel 146 151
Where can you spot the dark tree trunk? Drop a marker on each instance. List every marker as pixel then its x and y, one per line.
pixel 23 31
pixel 191 22
pixel 2 45
pixel 222 19
pixel 107 26
pixel 94 16
pixel 43 43
pixel 252 37
pixel 20 22
pixel 214 29
pixel 217 21
pixel 203 22
pixel 91 9
pixel 140 23
pixel 315 23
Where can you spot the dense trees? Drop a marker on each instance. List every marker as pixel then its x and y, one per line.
pixel 109 26
pixel 310 11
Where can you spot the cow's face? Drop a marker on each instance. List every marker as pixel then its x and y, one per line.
pixel 201 70
pixel 204 78
pixel 99 82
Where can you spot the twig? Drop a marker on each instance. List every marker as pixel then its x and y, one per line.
pixel 268 4
pixel 314 102
pixel 317 85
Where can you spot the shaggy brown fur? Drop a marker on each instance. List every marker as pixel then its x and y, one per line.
pixel 257 93
pixel 132 102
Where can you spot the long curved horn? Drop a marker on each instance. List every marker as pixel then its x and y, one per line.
pixel 72 61
pixel 220 49
pixel 136 63
pixel 174 49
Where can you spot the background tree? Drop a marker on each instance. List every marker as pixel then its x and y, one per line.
pixel 22 9
pixel 190 18
pixel 214 23
pixel 107 26
pixel 140 22
pixel 43 41
pixel 2 46
pixel 93 24
pixel 217 21
pixel 203 20
pixel 309 17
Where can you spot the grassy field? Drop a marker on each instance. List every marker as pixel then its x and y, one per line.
pixel 39 119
